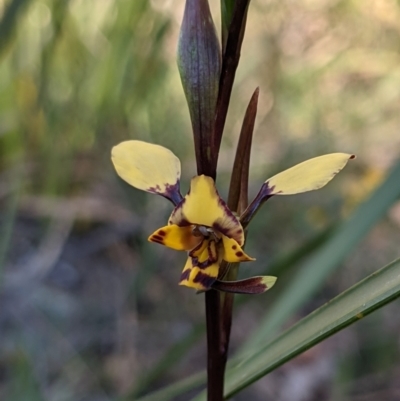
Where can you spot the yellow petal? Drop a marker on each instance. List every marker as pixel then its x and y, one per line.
pixel 197 278
pixel 233 252
pixel 309 175
pixel 203 206
pixel 178 238
pixel 148 167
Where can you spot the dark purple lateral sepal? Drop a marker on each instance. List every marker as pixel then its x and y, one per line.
pixel 250 286
pixel 204 279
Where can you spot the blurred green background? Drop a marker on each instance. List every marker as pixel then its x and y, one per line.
pixel 87 307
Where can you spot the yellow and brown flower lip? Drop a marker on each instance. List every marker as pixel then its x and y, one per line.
pixel 203 225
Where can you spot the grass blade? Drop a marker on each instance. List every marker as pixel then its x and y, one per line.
pixel 372 293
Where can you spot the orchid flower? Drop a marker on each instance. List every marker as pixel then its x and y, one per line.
pixel 201 223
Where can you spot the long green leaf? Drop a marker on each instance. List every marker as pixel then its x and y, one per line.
pixel 314 271
pixel 372 293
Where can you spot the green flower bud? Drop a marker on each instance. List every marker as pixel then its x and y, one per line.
pixel 199 62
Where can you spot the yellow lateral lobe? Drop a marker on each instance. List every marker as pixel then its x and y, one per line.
pixel 174 237
pixel 309 175
pixel 233 252
pixel 151 168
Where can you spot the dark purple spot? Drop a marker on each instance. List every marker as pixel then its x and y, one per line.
pixel 157 238
pixel 171 192
pixel 239 231
pixel 218 227
pixel 204 279
pixel 185 275
pixel 156 189
pixel 162 233
pixel 239 254
pixel 212 256
pixel 202 265
pixel 195 249
pixel 234 247
pixel 233 220
pixel 212 252
pixel 266 190
pixel 157 241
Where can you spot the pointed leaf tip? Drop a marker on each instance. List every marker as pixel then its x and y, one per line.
pixel 269 281
pixel 238 189
pixel 307 176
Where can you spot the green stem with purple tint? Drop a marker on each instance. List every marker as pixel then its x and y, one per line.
pixel 230 62
pixel 262 196
pixel 208 89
